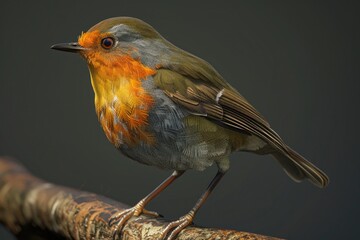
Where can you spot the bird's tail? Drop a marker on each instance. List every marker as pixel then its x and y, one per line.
pixel 298 168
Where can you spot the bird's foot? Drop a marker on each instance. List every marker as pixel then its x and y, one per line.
pixel 119 219
pixel 174 228
pixel 151 213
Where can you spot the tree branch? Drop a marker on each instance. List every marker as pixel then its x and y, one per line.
pixel 29 204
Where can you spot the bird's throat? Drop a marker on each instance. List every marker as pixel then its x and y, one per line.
pixel 121 103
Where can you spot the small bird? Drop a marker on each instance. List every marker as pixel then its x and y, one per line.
pixel 162 106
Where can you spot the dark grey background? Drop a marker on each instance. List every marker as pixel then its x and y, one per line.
pixel 297 62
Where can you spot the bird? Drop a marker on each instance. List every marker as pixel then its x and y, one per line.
pixel 165 107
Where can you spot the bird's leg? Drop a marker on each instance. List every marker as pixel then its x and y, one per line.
pixel 122 217
pixel 187 219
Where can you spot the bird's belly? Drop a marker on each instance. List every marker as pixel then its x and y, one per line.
pixel 179 142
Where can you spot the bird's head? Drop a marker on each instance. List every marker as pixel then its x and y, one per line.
pixel 121 44
pixel 121 53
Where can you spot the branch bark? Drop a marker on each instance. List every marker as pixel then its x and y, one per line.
pixel 29 204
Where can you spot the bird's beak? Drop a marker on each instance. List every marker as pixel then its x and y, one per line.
pixel 68 47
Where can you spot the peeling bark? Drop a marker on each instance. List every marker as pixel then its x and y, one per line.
pixel 31 206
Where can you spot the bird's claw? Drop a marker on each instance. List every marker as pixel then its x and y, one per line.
pixel 122 217
pixel 119 219
pixel 151 213
pixel 177 227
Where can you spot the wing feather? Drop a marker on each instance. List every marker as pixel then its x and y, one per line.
pixel 195 85
pixel 219 103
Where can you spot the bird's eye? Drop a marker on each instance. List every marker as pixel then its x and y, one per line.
pixel 107 42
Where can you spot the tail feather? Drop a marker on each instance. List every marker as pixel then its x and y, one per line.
pixel 298 168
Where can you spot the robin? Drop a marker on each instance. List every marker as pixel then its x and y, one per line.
pixel 162 106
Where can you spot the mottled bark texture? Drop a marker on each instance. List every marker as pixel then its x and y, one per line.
pixel 31 206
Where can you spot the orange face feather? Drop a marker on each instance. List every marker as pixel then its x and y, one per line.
pixel 116 79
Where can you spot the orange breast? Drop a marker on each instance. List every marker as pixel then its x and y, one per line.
pixel 122 104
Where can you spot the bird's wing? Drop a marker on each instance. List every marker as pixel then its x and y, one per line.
pixel 203 92
pixel 207 94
